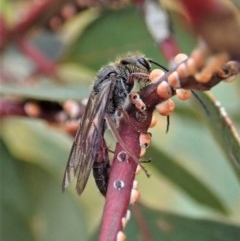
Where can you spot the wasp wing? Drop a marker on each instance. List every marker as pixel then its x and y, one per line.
pixel 88 138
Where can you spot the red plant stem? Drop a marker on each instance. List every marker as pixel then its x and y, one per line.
pixel 151 98
pixel 11 108
pixel 159 27
pixel 33 16
pixel 38 14
pixel 198 9
pixel 3 30
pixel 46 111
pixel 213 20
pixel 169 48
pixel 117 201
pixel 34 13
pixel 142 223
pixel 42 62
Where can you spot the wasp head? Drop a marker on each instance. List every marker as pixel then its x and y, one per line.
pixel 136 64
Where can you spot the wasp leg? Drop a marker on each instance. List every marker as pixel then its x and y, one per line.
pixel 137 76
pixel 120 141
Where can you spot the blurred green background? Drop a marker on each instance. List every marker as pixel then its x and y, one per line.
pixel 192 187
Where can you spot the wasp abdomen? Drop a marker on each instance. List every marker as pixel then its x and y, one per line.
pixel 101 175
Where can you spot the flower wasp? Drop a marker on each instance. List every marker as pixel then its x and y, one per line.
pixel 111 88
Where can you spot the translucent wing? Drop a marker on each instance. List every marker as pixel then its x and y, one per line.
pixel 88 138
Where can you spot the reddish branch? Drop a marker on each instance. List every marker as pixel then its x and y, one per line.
pixel 142 223
pixel 218 24
pixel 11 108
pixel 169 48
pixel 38 14
pixel 29 20
pixel 45 66
pixel 158 24
pixel 46 110
pixel 117 201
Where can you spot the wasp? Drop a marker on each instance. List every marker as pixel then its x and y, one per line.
pixel 101 168
pixel 111 88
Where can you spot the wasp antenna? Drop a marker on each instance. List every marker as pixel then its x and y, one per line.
pixel 201 102
pixel 168 123
pixel 146 160
pixel 159 65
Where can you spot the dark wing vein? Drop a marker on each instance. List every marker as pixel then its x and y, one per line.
pixel 88 138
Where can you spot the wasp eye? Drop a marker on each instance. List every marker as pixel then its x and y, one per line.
pixel 144 63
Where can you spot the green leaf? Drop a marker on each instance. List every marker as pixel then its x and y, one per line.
pixel 76 26
pixel 15 205
pixel 35 142
pixel 50 92
pixel 117 32
pixel 222 129
pixel 151 224
pixel 185 180
pixel 167 226
pixel 33 206
pixel 32 201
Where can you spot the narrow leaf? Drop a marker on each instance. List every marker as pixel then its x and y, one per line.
pixel 36 143
pixel 34 208
pixel 185 180
pixel 154 225
pixel 222 128
pixel 46 92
